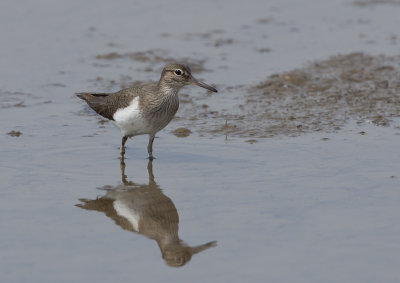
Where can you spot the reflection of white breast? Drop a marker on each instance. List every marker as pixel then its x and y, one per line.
pixel 130 119
pixel 124 211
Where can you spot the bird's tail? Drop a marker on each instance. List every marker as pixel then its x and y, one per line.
pixel 90 95
pixel 81 95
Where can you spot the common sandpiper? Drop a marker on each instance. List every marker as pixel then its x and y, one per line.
pixel 145 109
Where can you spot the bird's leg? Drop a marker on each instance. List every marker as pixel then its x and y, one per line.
pixel 122 149
pixel 150 171
pixel 122 166
pixel 150 147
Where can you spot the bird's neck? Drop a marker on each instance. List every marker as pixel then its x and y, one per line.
pixel 167 89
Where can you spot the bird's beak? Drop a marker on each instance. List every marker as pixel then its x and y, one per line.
pixel 203 247
pixel 206 86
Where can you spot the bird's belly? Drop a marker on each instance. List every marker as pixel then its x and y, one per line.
pixel 133 127
pixel 130 120
pixel 128 213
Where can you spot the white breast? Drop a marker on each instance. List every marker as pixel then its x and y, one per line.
pixel 130 120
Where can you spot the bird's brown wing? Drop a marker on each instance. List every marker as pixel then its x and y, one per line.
pixel 106 104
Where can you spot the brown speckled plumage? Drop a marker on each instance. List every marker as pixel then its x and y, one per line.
pixel 157 103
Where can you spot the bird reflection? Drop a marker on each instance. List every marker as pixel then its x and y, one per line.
pixel 144 209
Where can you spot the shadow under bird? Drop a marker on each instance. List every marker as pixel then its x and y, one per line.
pixel 146 109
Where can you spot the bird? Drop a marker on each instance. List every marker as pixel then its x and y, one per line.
pixel 144 109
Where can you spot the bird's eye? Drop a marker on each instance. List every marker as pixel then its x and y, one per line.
pixel 178 72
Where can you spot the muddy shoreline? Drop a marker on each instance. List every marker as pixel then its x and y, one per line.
pixel 321 96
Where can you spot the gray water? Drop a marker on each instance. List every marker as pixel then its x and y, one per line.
pixel 320 207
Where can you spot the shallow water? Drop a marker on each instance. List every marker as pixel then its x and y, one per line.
pixel 318 207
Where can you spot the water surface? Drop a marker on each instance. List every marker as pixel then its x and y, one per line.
pixel 314 206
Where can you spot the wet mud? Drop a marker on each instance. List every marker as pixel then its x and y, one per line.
pixel 364 3
pixel 153 57
pixel 182 132
pixel 17 99
pixel 322 96
pixel 325 95
pixel 10 99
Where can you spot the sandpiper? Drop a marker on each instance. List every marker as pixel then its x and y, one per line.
pixel 144 109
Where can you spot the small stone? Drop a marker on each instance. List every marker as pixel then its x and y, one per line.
pixel 14 133
pixel 182 132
